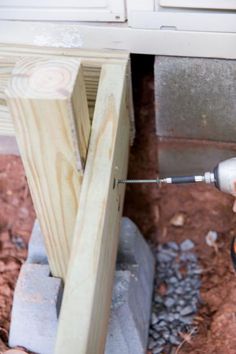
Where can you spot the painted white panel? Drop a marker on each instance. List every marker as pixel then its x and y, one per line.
pixel 115 36
pixel 63 10
pixel 199 4
pixel 140 5
pixel 56 3
pixel 182 21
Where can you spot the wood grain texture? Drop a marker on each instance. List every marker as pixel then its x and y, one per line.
pixel 91 62
pixel 47 101
pixel 87 296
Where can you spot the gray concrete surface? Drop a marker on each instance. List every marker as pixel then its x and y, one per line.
pixel 180 156
pixel 37 297
pixel 36 305
pixel 36 250
pixel 195 98
pixel 132 294
pixel 8 145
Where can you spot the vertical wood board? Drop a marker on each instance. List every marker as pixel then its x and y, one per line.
pixel 87 297
pixel 47 101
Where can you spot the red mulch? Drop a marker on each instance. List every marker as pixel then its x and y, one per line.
pixel 16 221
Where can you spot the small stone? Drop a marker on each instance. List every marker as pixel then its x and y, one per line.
pixel 174 340
pixel 164 257
pixel 188 310
pixel 179 275
pixel 173 245
pixel 169 302
pixel 171 290
pixel 173 280
pixel 154 319
pixel 196 283
pixel 181 302
pixel 211 238
pixel 157 350
pixel 187 245
pixel 18 241
pixel 171 317
pixel 178 220
pixel 158 299
pixel 170 252
pixel 162 316
pixel 176 316
pixel 187 319
pixel 196 271
pixel 151 344
pixel 23 213
pixel 189 257
pixel 162 324
pixel 166 335
pixel 154 335
pixel 160 342
pixel 180 291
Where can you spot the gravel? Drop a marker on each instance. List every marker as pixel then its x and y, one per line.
pixel 176 296
pixel 186 245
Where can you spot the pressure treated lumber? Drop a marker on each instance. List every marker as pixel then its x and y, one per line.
pixel 87 296
pixel 47 101
pixel 91 62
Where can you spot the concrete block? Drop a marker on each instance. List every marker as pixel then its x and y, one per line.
pixel 37 297
pixel 132 294
pixel 8 145
pixel 180 156
pixel 195 98
pixel 36 305
pixel 36 250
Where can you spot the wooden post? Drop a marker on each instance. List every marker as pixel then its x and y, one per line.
pixel 47 101
pixel 87 298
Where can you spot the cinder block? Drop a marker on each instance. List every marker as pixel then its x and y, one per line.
pixel 8 145
pixel 183 157
pixel 132 294
pixel 37 297
pixel 36 303
pixel 36 250
pixel 195 98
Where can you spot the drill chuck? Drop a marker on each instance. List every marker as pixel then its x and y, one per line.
pixel 225 176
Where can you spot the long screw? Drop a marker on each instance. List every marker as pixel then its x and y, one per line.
pixel 139 181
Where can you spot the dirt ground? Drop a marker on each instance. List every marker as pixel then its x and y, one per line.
pixel 201 208
pixel 16 221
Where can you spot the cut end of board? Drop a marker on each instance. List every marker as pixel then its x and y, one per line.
pixel 43 78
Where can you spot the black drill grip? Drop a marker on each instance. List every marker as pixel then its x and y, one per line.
pixel 183 179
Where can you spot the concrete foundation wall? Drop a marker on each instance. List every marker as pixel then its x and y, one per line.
pixel 190 157
pixel 196 98
pixel 195 102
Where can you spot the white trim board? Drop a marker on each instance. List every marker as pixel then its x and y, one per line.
pixel 181 21
pixel 118 37
pixel 61 10
pixel 200 4
pixel 60 14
